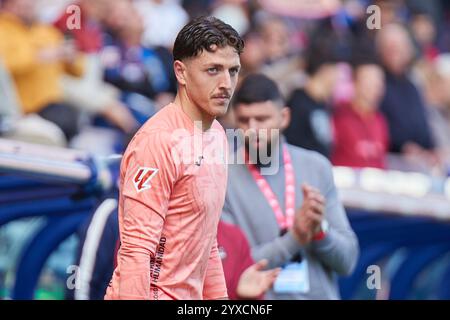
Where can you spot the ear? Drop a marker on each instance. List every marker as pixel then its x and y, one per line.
pixel 180 72
pixel 285 118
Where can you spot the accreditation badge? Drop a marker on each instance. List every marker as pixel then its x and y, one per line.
pixel 294 278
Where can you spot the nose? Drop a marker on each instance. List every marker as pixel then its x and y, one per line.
pixel 253 124
pixel 225 81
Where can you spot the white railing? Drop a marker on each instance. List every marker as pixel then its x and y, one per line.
pixel 405 193
pixel 69 165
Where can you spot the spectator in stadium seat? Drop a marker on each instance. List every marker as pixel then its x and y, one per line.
pixel 286 202
pixel 424 32
pixel 310 126
pixel 275 35
pixel 281 61
pixel 133 68
pixel 435 81
pixel 36 56
pixel 17 126
pixel 402 104
pixel 90 93
pixel 361 137
pixel 253 57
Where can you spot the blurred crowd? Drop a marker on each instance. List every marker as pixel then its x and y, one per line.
pixel 366 88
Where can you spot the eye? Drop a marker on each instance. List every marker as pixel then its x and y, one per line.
pixel 213 70
pixel 234 71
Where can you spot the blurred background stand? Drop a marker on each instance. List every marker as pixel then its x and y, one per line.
pixel 61 185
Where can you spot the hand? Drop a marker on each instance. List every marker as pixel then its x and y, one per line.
pixel 121 116
pixel 308 218
pixel 421 157
pixel 63 53
pixel 412 149
pixel 254 281
pixel 68 51
pixel 49 55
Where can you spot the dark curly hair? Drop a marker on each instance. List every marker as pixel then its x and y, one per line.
pixel 257 88
pixel 201 34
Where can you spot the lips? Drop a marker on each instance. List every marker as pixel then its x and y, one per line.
pixel 222 100
pixel 224 95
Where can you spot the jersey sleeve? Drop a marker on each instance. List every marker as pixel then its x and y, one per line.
pixel 149 174
pixel 214 286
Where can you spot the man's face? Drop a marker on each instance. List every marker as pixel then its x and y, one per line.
pixel 329 76
pixel 210 79
pixel 275 39
pixel 369 84
pixel 396 49
pixel 253 57
pixel 118 14
pixel 261 122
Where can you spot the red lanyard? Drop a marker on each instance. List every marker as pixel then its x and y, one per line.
pixel 284 221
